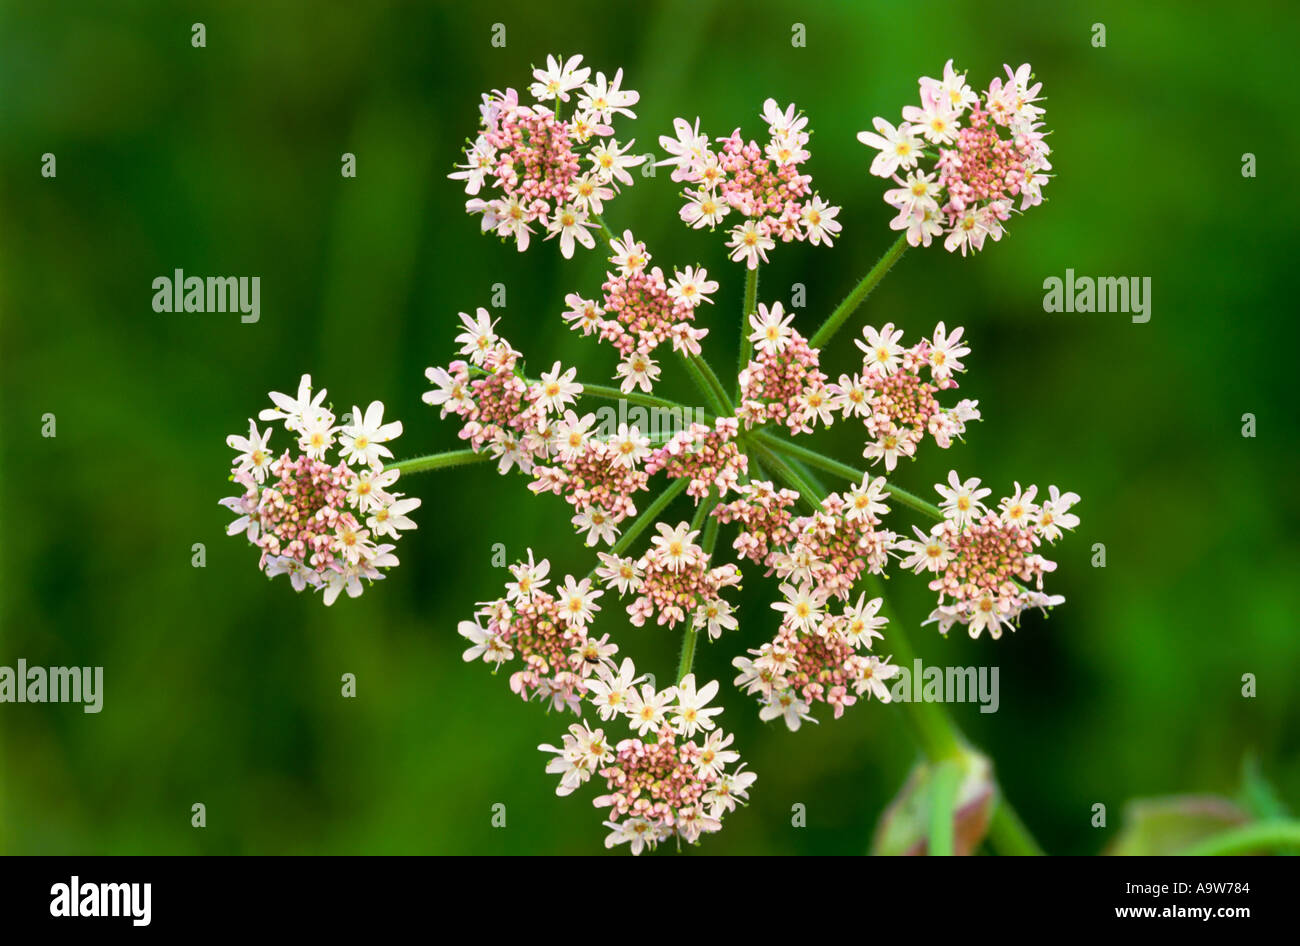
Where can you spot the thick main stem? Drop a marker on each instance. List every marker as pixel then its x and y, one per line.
pixel 859 293
pixel 945 783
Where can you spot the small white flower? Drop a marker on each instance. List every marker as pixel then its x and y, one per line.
pixel 638 370
pixel 692 286
pixel 486 645
pixel 628 447
pixel 558 389
pixel 792 710
pixel 862 622
pixel 880 349
pixel 577 601
pixel 254 456
pixel 362 441
pixel 293 410
pixel 478 336
pixel 316 435
pixel 749 243
pixel 772 332
pixel 389 520
pixel 558 79
pixel 646 709
pixel 802 607
pixel 529 577
pixel 961 501
pixel 571 224
pixel 692 712
pixel 610 691
pixel 714 616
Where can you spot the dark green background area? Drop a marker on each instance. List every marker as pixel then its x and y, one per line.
pixel 223 688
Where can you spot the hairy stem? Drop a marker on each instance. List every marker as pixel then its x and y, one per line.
pixel 635 397
pixel 650 515
pixel 823 462
pixel 749 308
pixel 714 395
pixel 439 461
pixel 859 293
pixel 712 378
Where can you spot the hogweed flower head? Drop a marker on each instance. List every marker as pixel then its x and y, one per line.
pixel 545 171
pixel 530 425
pixel 321 521
pixel 641 309
pixel 894 395
pixel 707 457
pixel 547 632
pixel 783 383
pixel 816 658
pixel 675 778
pixel 965 161
pixel 834 546
pixel 762 185
pixel 980 556
pixel 674 580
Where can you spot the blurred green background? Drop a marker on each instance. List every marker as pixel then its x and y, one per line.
pixel 224 689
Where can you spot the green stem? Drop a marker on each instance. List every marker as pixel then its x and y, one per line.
pixel 604 230
pixel 808 493
pixel 650 515
pixel 1248 839
pixel 859 293
pixel 634 397
pixel 439 461
pixel 691 638
pixel 749 308
pixel 945 781
pixel 1008 834
pixel 821 461
pixel 714 395
pixel 712 378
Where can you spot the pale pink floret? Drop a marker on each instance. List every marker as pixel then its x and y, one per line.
pixel 990 153
pixel 762 184
pixel 524 170
pixel 316 520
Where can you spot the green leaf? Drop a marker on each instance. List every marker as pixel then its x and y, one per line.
pixel 1168 825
